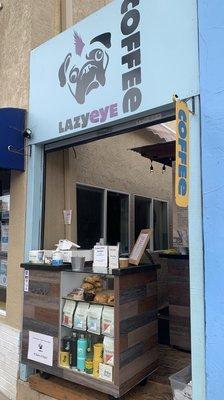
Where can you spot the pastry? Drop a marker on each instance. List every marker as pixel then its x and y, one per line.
pixel 98 285
pixel 101 298
pixel 87 286
pixel 89 296
pixel 92 279
pixel 110 299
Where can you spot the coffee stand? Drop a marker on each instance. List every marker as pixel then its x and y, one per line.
pixel 129 95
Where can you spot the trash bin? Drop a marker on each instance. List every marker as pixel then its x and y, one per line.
pixel 181 384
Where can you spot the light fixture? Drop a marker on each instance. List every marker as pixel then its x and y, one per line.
pixel 164 168
pixel 27 133
pixel 151 167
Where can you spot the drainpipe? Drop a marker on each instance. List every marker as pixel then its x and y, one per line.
pixel 66 14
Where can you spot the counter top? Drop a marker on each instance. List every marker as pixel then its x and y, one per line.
pixel 132 269
pixel 47 267
pixel 175 256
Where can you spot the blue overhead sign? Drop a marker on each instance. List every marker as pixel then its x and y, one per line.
pixel 130 57
pixel 12 125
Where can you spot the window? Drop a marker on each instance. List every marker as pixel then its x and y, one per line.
pixel 118 220
pixel 160 224
pixel 102 214
pixel 4 233
pixel 152 214
pixel 90 203
pixel 142 214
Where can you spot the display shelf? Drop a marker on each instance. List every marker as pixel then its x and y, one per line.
pixel 132 269
pixel 3 253
pixel 174 256
pixel 89 302
pixel 80 332
pixel 86 376
pixel 65 326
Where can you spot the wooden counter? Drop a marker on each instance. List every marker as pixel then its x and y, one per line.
pixel 179 300
pixel 135 310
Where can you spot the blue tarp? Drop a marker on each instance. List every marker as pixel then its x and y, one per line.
pixel 12 125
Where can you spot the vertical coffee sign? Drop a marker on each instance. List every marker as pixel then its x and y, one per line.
pixel 182 154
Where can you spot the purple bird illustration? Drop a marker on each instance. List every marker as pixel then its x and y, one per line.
pixel 79 45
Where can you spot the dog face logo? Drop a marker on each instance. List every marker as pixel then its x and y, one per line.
pixel 81 80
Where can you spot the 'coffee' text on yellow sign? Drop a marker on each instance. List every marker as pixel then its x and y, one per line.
pixel 182 154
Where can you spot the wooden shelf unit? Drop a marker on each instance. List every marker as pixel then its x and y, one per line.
pixel 135 308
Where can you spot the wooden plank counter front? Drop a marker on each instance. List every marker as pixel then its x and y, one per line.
pixel 179 300
pixel 135 311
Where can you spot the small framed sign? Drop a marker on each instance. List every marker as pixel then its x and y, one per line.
pixel 100 256
pixel 113 257
pixel 140 246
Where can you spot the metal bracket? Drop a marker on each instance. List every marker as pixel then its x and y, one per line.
pixel 11 149
pixel 192 105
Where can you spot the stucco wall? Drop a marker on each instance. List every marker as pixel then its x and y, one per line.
pixel 23 25
pixel 107 163
pixel 82 9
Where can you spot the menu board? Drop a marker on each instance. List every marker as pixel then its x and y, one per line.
pixel 140 246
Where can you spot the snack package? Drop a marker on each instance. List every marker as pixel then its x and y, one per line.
pixel 108 350
pixel 108 321
pixel 106 372
pixel 94 319
pixel 76 294
pixel 68 311
pixel 80 316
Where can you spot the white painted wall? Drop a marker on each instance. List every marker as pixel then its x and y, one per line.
pixel 9 360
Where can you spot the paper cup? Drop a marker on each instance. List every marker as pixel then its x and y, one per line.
pixel 123 262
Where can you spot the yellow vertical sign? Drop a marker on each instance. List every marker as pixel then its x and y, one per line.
pixel 182 154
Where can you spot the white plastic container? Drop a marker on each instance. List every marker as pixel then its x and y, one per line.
pixel 181 384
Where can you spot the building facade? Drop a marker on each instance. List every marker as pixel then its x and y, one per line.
pixel 23 27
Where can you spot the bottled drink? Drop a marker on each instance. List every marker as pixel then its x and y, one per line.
pixel 81 353
pixel 73 351
pixel 89 357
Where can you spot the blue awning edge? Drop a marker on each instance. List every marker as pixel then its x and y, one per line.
pixel 12 126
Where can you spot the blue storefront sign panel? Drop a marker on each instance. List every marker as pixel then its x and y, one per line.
pixel 12 125
pixel 126 59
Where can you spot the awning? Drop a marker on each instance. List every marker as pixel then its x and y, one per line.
pixel 163 131
pixel 163 153
pixel 12 125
